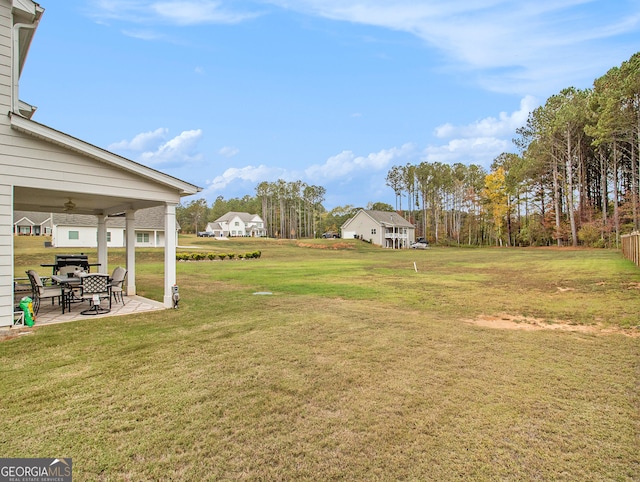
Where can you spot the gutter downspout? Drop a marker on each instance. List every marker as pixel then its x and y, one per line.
pixel 15 71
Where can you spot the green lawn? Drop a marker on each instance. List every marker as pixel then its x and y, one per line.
pixel 356 367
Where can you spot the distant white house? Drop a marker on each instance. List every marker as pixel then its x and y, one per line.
pixel 386 229
pixel 237 224
pixel 81 230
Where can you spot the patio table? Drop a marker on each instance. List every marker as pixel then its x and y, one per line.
pixel 67 283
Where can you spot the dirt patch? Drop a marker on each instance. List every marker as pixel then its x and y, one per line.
pixel 326 246
pixel 517 322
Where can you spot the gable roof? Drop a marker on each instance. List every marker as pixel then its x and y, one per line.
pixel 244 217
pixel 385 218
pixel 32 217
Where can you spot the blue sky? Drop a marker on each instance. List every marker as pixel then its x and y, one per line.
pixel 228 93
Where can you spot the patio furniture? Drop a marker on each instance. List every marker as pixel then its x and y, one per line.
pixel 95 287
pixel 117 280
pixel 70 289
pixel 39 291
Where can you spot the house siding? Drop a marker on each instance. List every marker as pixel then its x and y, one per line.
pixel 36 163
pixel 6 254
pixel 381 228
pixel 5 58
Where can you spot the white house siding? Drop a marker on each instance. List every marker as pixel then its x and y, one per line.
pixel 6 254
pixel 47 166
pixel 5 58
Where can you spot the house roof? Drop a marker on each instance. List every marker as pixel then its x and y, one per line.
pixel 387 218
pixel 245 217
pixel 31 217
pixel 150 218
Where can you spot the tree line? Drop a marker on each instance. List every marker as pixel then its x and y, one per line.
pixel 574 181
pixel 289 209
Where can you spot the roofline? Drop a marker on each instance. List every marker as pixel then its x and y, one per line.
pixel 54 136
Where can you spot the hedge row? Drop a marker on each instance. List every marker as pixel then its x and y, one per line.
pixel 212 256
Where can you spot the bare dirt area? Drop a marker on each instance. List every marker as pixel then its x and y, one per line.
pixel 517 322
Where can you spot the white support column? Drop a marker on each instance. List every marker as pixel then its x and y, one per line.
pixel 102 244
pixel 130 243
pixel 170 244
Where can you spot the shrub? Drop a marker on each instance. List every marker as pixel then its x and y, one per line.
pixel 222 255
pixel 211 256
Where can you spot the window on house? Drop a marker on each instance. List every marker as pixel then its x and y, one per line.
pixel 373 230
pixel 237 223
pixel 108 236
pixel 142 237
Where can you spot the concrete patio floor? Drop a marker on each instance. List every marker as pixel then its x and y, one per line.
pixel 50 314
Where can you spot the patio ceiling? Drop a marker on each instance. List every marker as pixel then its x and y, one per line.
pixel 46 200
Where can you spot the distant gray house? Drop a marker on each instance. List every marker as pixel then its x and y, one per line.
pixel 237 224
pixel 386 229
pixel 28 223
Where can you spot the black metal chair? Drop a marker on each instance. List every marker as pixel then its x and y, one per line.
pixel 95 287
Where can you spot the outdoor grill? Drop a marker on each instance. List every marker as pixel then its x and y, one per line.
pixel 61 260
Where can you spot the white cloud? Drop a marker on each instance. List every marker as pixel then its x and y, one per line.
pixel 248 173
pixel 229 151
pixel 510 46
pixel 183 12
pixel 347 163
pixel 504 124
pixel 176 12
pixel 179 149
pixel 479 150
pixel 482 141
pixel 140 142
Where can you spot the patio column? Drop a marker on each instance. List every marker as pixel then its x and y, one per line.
pixel 102 244
pixel 170 243
pixel 130 242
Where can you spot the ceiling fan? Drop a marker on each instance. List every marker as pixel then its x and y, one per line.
pixel 69 206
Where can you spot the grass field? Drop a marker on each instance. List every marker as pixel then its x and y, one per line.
pixel 362 364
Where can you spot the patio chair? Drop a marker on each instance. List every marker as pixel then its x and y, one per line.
pixel 71 294
pixel 95 287
pixel 69 270
pixel 40 291
pixel 117 280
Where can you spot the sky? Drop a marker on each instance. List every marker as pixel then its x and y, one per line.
pixel 225 94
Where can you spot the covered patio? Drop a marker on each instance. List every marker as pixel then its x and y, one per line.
pixel 50 171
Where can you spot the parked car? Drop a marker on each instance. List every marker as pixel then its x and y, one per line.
pixel 420 245
pixel 330 235
pixel 204 234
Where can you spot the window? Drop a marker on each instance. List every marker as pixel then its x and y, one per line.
pixel 74 235
pixel 108 236
pixel 373 230
pixel 142 237
pixel 237 223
